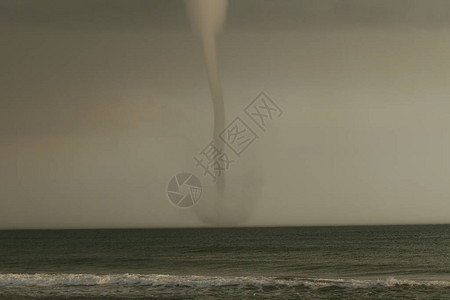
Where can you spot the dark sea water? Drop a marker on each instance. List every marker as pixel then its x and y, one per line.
pixel 373 262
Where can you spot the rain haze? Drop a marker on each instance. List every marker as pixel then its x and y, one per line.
pixel 103 102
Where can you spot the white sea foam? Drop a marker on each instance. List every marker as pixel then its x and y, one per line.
pixel 173 281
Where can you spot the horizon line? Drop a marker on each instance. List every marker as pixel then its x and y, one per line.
pixel 227 227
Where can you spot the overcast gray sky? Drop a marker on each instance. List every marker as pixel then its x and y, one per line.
pixel 102 102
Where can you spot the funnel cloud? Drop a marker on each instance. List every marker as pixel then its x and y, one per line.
pixel 207 18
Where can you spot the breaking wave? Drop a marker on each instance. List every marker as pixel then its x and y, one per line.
pixel 174 281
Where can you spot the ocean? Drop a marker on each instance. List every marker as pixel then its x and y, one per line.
pixel 350 262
